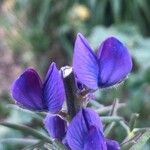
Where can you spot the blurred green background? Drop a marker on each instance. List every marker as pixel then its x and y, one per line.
pixel 33 33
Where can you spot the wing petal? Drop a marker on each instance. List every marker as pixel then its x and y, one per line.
pixel 27 90
pixel 114 62
pixel 53 89
pixel 55 126
pixel 85 63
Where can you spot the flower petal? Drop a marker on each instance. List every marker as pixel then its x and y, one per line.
pixel 53 89
pixel 85 63
pixel 95 140
pixel 114 62
pixel 112 145
pixel 55 126
pixel 27 90
pixel 80 126
pixel 92 118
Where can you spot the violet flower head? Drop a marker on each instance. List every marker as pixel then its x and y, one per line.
pixel 109 66
pixel 30 93
pixel 56 126
pixel 85 132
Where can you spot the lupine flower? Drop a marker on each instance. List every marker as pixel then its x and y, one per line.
pixel 85 132
pixel 30 93
pixel 110 65
pixel 56 126
pixel 112 145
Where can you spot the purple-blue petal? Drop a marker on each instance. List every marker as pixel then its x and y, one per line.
pixel 64 141
pixel 27 91
pixel 85 63
pixel 92 118
pixel 56 126
pixel 112 145
pixel 53 89
pixel 95 140
pixel 80 126
pixel 114 62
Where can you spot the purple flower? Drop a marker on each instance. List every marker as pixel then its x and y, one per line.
pixel 110 65
pixel 29 91
pixel 85 132
pixel 56 126
pixel 112 145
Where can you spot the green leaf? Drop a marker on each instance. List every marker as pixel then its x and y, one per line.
pixel 111 119
pixel 26 129
pixel 141 141
pixel 56 146
pixel 133 120
pixel 109 129
pixel 18 141
pixel 107 109
pixel 33 146
pixel 20 115
pixel 59 146
pixel 125 127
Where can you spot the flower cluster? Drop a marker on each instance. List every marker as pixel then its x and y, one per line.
pixel 108 66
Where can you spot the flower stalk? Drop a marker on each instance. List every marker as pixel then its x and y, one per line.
pixel 72 100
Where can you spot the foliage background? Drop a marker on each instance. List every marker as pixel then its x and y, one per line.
pixel 35 33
